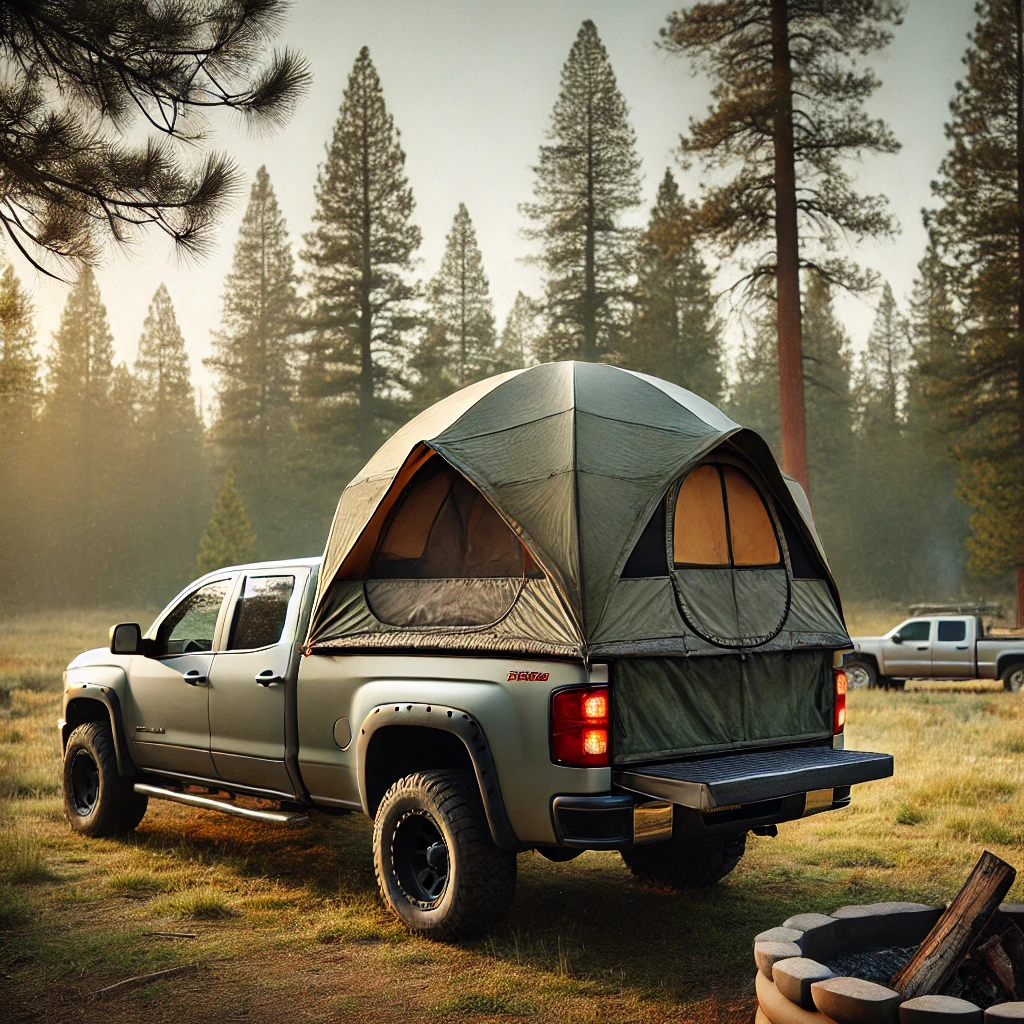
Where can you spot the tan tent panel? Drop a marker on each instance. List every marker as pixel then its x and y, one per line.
pixel 574 509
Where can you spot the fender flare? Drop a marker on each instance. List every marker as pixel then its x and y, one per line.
pixel 468 730
pixel 1008 659
pixel 107 698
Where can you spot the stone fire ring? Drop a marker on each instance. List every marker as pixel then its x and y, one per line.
pixel 794 986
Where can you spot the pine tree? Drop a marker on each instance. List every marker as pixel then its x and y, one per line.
pixel 168 406
pixel 458 345
pixel 520 336
pixel 19 397
pixel 586 179
pixel 676 333
pixel 229 538
pixel 255 350
pixel 255 358
pixel 788 108
pixel 19 365
pixel 360 256
pixel 978 236
pixel 168 442
pixel 87 439
pixel 882 372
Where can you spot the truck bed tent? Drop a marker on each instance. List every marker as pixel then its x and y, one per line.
pixel 575 510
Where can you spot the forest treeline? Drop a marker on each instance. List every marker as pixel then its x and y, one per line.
pixel 114 484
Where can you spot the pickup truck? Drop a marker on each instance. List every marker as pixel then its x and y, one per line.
pixel 569 608
pixel 936 647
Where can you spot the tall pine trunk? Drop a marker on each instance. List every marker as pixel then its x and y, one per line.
pixel 1018 10
pixel 787 281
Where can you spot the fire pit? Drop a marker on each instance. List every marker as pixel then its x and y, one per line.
pixel 899 963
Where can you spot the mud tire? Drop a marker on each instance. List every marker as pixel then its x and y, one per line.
pixel 686 863
pixel 98 801
pixel 416 814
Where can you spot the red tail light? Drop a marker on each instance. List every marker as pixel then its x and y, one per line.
pixel 579 727
pixel 839 708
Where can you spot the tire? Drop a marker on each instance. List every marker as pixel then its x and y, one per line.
pixel 687 863
pixel 1013 677
pixel 861 675
pixel 437 867
pixel 98 800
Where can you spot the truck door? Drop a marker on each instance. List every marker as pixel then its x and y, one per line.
pixel 169 722
pixel 249 680
pixel 952 651
pixel 912 656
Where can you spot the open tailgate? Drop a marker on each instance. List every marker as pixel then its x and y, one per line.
pixel 749 778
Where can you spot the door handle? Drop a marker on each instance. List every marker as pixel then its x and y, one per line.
pixel 959 648
pixel 194 677
pixel 922 648
pixel 268 676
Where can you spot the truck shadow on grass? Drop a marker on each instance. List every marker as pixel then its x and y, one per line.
pixel 587 922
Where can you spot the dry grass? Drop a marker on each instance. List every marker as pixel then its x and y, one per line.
pixel 288 926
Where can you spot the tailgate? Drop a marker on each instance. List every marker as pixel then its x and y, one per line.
pixel 748 778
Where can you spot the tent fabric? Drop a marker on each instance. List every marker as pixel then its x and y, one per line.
pixel 576 460
pixel 669 706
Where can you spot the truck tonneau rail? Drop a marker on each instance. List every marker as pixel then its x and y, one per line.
pixel 747 778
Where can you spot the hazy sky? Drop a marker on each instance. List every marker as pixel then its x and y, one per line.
pixel 471 84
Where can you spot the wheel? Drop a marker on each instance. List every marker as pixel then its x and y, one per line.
pixel 687 863
pixel 860 674
pixel 436 864
pixel 1013 677
pixel 98 801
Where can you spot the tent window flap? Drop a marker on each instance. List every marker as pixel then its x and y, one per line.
pixel 731 584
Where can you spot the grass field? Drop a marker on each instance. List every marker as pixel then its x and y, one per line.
pixel 287 926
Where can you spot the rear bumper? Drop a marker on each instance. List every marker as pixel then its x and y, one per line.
pixel 734 793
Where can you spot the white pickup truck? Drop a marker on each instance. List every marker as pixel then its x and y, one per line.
pixel 936 647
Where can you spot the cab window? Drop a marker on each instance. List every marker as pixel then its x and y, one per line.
pixel 192 623
pixel 953 630
pixel 260 612
pixel 915 631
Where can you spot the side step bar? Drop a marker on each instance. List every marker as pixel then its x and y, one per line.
pixel 210 804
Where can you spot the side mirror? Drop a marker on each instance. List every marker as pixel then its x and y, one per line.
pixel 126 638
pixel 896 638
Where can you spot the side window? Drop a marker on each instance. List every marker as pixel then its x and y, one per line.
pixel 260 612
pixel 721 520
pixel 190 626
pixel 953 630
pixel 917 631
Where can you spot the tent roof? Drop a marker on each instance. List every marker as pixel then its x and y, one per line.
pixel 575 458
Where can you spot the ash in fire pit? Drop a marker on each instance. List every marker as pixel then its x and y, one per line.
pixel 878 965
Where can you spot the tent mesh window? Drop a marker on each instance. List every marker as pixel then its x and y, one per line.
pixel 445 556
pixel 729 576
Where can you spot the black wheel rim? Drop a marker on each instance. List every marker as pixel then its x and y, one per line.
pixel 419 859
pixel 85 783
